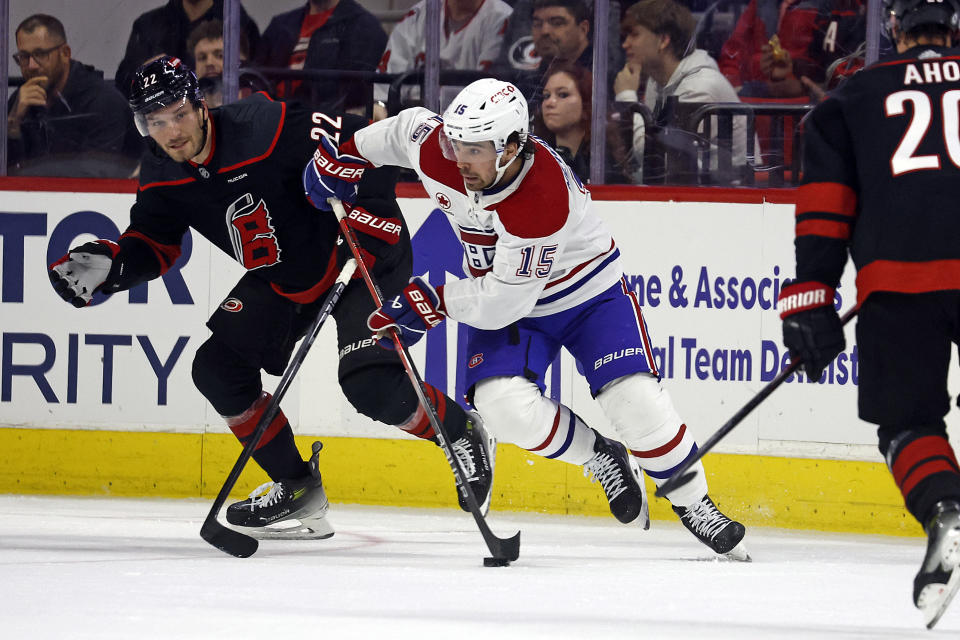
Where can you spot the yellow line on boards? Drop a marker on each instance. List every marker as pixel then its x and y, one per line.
pixel 793 493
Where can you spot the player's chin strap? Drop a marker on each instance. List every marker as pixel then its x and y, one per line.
pixel 503 169
pixel 204 126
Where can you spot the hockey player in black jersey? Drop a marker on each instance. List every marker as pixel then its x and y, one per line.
pixel 234 175
pixel 882 182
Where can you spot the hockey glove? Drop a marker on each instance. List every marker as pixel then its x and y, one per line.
pixel 812 330
pixel 373 233
pixel 332 173
pixel 413 312
pixel 77 275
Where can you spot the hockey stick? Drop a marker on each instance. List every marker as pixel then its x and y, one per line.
pixel 503 549
pixel 229 540
pixel 680 477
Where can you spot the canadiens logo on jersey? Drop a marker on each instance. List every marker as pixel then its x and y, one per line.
pixel 252 233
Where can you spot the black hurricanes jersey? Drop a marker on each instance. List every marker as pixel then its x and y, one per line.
pixel 882 177
pixel 248 198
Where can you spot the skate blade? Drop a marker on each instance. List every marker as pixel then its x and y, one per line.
pixel 738 554
pixel 644 518
pixel 316 529
pixel 492 448
pixel 935 598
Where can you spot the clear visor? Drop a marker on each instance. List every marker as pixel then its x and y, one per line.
pixel 468 152
pixel 164 115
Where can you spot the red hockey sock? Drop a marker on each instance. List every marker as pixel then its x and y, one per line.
pixel 277 451
pixel 449 412
pixel 925 465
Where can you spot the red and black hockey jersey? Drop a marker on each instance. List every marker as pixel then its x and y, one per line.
pixel 882 178
pixel 247 199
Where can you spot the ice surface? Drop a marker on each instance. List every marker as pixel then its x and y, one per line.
pixel 115 568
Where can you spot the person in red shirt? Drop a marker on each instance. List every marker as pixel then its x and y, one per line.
pixel 769 49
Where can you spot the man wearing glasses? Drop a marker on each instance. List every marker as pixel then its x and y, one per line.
pixel 65 120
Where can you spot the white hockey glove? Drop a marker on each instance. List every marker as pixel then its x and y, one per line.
pixel 77 275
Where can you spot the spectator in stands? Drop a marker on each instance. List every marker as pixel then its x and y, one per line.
pixel 325 34
pixel 559 32
pixel 471 38
pixel 205 44
pixel 65 119
pixel 164 30
pixel 563 119
pixel 658 41
pixel 839 45
pixel 770 48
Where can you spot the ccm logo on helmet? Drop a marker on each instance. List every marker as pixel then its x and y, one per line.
pixel 506 92
pixel 332 168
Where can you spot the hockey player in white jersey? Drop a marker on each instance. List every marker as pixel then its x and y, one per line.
pixel 544 273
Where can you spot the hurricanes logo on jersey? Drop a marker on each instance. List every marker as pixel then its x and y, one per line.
pixel 252 233
pixel 232 305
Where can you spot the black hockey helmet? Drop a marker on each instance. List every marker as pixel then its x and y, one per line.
pixel 161 83
pixel 910 14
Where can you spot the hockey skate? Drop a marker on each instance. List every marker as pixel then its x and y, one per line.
pixel 287 509
pixel 938 579
pixel 620 476
pixel 477 452
pixel 714 529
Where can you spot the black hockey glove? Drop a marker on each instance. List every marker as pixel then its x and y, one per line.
pixel 812 330
pixel 80 273
pixel 374 233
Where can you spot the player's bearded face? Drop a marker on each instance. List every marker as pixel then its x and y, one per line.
pixel 178 130
pixel 476 161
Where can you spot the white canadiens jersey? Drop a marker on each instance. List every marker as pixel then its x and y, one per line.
pixel 532 248
pixel 475 45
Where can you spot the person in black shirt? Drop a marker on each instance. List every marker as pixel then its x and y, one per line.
pixel 65 120
pixel 234 175
pixel 165 30
pixel 881 182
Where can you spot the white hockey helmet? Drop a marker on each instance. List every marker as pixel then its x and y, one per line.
pixel 485 110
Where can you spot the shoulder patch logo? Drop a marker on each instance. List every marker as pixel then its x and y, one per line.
pixel 443 201
pixel 232 305
pixel 475 360
pixel 420 133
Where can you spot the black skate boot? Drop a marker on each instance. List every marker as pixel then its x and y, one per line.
pixel 274 509
pixel 477 452
pixel 714 529
pixel 939 580
pixel 619 475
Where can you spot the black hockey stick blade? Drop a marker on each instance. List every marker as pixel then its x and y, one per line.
pixel 228 540
pixel 681 476
pixel 501 548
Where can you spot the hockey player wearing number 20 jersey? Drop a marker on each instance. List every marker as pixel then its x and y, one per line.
pixel 544 272
pixel 235 175
pixel 882 183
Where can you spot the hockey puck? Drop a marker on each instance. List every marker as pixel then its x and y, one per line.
pixel 496 562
